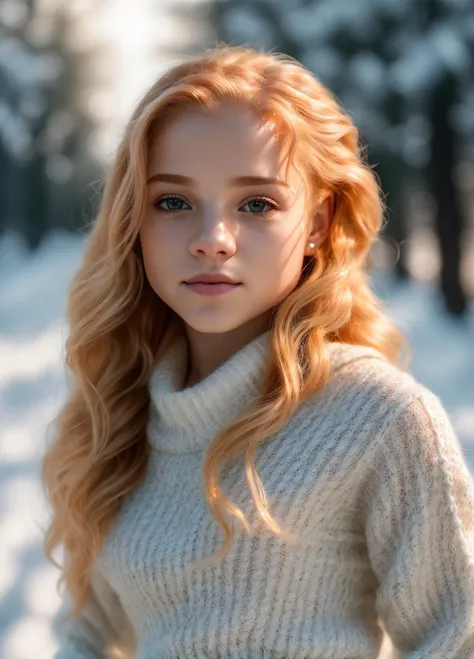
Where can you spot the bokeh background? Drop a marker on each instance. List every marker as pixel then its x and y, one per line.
pixel 70 73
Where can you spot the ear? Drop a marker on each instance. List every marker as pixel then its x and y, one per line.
pixel 320 224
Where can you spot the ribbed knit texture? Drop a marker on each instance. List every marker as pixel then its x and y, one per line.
pixel 370 476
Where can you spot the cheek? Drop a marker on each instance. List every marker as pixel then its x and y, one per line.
pixel 281 253
pixel 278 262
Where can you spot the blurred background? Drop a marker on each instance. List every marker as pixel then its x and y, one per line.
pixel 70 74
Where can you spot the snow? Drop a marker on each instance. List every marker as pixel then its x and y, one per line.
pixel 33 288
pixel 32 388
pixel 14 131
pixel 27 69
pixel 367 73
pixel 250 23
pixel 325 62
pixel 314 22
pixel 451 47
pixel 418 68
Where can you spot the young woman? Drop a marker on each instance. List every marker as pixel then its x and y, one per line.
pixel 243 469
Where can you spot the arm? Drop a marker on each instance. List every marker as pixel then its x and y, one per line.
pixel 420 534
pixel 101 623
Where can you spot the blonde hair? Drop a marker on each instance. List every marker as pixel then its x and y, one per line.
pixel 119 328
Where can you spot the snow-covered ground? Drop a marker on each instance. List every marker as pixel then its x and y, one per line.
pixel 32 388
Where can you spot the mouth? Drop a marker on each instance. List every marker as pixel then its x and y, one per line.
pixel 214 278
pixel 213 283
pixel 212 288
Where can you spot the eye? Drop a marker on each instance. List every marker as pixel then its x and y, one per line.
pixel 172 203
pixel 258 205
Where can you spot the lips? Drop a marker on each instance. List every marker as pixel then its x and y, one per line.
pixel 213 288
pixel 212 283
pixel 217 278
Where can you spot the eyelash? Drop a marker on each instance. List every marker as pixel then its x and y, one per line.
pixel 267 200
pixel 157 203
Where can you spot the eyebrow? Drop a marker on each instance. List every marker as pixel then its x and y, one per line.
pixel 239 181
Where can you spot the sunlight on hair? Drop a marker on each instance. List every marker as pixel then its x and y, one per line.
pixel 119 327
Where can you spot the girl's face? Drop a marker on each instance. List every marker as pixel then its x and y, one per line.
pixel 219 202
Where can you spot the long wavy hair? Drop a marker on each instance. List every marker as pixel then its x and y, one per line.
pixel 119 328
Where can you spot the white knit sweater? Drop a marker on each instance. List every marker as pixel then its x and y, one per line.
pixel 368 473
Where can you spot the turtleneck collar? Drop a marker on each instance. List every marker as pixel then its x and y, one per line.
pixel 183 420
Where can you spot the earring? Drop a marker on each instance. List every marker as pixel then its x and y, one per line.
pixel 311 245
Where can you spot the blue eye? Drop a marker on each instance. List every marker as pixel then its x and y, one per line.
pixel 172 204
pixel 258 205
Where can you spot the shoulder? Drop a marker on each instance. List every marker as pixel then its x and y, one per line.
pixel 360 372
pixel 404 420
pixel 366 367
pixel 362 377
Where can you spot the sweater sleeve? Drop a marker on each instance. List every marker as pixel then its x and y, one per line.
pixel 419 529
pixel 100 625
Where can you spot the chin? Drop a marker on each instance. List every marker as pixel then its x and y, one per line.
pixel 212 328
pixel 213 325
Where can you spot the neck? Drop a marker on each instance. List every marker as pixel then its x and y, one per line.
pixel 208 351
pixel 186 418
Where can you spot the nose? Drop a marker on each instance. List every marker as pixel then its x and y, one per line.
pixel 214 236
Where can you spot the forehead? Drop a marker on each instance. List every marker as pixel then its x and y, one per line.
pixel 226 141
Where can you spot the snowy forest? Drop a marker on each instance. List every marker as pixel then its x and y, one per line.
pixel 404 70
pixel 70 72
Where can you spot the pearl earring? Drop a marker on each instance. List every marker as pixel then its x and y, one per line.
pixel 311 245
